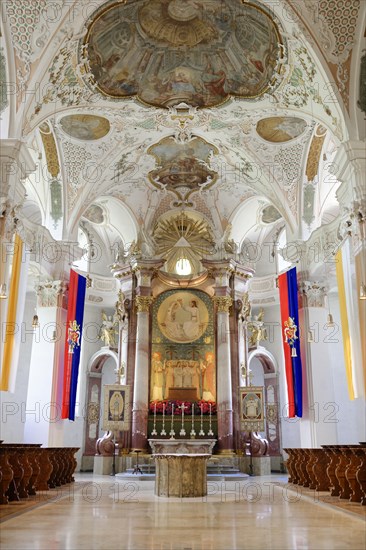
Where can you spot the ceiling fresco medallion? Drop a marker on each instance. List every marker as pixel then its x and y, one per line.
pixel 280 129
pixel 95 214
pixel 166 52
pixel 183 168
pixel 85 127
pixel 270 214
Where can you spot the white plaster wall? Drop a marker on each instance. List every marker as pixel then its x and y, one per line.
pixel 40 414
pixel 350 415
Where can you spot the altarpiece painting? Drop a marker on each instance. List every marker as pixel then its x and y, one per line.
pixel 183 348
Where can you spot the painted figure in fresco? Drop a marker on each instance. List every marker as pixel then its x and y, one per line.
pixel 173 328
pixel 214 81
pixel 187 375
pixel 178 375
pixel 157 377
pixel 192 328
pixel 208 377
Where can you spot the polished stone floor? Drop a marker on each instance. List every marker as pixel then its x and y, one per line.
pixel 99 512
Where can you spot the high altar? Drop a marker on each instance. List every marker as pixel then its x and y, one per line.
pixel 182 341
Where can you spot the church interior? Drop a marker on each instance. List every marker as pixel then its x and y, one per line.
pixel 183 274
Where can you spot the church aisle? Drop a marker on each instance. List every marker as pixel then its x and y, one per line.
pixel 259 513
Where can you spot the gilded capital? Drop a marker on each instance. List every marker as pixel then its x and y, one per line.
pixel 143 303
pixel 223 303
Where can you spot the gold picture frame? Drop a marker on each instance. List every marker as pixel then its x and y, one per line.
pixel 251 409
pixel 117 407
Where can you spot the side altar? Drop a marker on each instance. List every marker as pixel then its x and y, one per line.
pixel 181 466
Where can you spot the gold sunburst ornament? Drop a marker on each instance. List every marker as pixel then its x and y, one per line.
pixel 182 238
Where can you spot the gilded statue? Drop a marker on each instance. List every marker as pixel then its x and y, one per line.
pixel 258 331
pixel 109 330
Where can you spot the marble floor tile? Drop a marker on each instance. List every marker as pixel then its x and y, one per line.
pixel 102 513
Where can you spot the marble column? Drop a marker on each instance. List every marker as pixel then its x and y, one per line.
pixel 239 343
pixel 145 270
pixel 123 337
pixel 141 384
pixel 222 271
pixel 224 385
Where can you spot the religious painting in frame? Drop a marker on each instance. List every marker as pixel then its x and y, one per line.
pixel 117 404
pixel 183 358
pixel 251 409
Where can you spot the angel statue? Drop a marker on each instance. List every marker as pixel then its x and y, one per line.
pixel 258 331
pixel 109 330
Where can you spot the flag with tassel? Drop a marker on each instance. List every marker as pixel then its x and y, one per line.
pixel 287 283
pixel 74 328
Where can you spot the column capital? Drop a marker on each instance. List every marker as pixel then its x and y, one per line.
pixel 223 303
pixel 143 303
pixel 145 270
pixel 50 293
pixel 313 293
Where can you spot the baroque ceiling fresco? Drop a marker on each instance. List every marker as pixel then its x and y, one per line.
pixel 167 52
pixel 177 108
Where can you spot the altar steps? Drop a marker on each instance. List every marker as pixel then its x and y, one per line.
pixel 215 472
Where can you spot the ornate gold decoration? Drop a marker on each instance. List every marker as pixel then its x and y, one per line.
pixel 183 236
pixel 50 148
pixel 223 303
pixel 143 303
pixel 315 150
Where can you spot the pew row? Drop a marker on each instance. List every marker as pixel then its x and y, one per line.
pixel 339 469
pixel 26 468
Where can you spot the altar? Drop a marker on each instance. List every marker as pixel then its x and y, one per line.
pixel 181 466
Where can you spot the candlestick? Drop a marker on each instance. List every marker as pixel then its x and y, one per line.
pixel 201 432
pixel 192 432
pixel 182 430
pixel 210 432
pixel 163 432
pixel 172 432
pixel 154 432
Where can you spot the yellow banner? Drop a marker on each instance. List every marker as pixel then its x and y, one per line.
pixel 11 320
pixel 344 322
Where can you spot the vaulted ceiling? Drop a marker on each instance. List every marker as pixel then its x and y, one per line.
pixel 137 110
